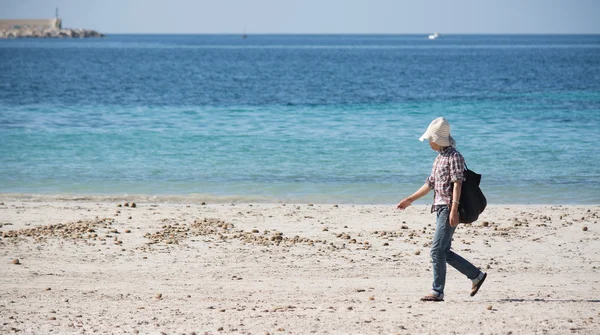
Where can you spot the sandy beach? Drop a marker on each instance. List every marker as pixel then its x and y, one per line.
pixel 110 267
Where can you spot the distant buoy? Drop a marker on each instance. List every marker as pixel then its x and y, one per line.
pixel 434 36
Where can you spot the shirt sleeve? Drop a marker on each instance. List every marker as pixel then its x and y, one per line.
pixel 430 181
pixel 457 168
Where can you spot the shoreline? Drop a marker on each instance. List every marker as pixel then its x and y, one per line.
pixel 291 268
pixel 237 199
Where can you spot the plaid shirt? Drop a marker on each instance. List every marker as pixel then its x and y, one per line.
pixel 448 168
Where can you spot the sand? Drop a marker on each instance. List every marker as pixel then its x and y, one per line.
pixel 87 267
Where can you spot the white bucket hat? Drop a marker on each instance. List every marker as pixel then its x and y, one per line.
pixel 439 133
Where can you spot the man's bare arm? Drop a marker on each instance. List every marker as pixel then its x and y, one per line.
pixel 421 192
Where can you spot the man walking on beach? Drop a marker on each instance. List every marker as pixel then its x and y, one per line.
pixel 446 180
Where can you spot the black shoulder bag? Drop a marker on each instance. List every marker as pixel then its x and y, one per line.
pixel 472 200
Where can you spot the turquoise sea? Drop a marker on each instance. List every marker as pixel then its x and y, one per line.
pixel 298 118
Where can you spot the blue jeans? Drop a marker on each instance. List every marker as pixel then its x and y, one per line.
pixel 441 253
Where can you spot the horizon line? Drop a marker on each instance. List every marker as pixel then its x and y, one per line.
pixel 300 33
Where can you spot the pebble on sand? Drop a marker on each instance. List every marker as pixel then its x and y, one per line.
pixel 489 308
pixel 158 296
pixel 585 228
pixel 16 261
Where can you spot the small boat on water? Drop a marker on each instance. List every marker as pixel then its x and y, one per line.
pixel 434 36
pixel 244 35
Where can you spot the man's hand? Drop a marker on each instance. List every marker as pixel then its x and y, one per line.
pixel 417 195
pixel 454 217
pixel 404 203
pixel 456 191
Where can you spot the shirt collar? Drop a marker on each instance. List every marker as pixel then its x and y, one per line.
pixel 446 150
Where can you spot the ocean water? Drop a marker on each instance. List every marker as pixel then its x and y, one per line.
pixel 298 118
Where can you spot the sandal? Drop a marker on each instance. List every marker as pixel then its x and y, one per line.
pixel 432 297
pixel 475 287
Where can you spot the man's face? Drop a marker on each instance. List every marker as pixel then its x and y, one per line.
pixel 434 146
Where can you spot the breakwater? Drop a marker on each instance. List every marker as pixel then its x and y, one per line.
pixel 48 33
pixel 42 28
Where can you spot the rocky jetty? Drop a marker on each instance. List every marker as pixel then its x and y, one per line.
pixel 48 33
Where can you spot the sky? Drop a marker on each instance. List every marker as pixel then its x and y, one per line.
pixel 317 16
